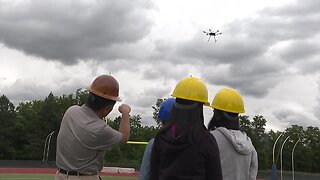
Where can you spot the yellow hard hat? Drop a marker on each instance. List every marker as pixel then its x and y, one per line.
pixel 193 89
pixel 228 100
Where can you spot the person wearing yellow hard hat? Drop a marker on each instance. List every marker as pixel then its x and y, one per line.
pixel 84 137
pixel 184 148
pixel 238 156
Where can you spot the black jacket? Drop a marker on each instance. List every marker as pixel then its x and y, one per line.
pixel 178 158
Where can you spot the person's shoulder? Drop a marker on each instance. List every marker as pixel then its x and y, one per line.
pixel 73 108
pixel 150 144
pixel 208 143
pixel 207 137
pixel 216 133
pixel 208 134
pixel 151 141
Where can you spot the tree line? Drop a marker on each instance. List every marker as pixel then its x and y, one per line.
pixel 24 130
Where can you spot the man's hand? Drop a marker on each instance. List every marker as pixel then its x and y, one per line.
pixel 124 109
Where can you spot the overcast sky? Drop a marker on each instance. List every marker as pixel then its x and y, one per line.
pixel 269 51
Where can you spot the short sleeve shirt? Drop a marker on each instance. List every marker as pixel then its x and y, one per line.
pixel 83 139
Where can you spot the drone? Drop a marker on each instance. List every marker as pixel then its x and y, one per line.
pixel 214 34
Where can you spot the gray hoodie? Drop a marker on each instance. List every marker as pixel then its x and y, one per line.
pixel 238 156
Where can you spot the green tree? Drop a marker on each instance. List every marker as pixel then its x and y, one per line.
pixel 27 114
pixel 37 119
pixel 25 128
pixel 156 108
pixel 130 154
pixel 295 132
pixel 245 125
pixel 259 139
pixel 8 128
pixel 256 131
pixel 311 150
pixel 81 96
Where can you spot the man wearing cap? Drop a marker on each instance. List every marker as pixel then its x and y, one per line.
pixel 84 136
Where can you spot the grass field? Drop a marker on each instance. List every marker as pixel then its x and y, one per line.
pixel 51 177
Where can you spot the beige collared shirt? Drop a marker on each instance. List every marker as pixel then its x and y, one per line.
pixel 83 139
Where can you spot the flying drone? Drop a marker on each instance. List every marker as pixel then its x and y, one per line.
pixel 214 34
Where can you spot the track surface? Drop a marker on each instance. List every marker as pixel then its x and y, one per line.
pixel 53 171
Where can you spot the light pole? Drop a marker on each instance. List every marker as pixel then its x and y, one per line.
pixel 281 154
pixel 294 147
pixel 274 168
pixel 46 149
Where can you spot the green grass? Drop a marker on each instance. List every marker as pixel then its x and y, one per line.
pixel 51 177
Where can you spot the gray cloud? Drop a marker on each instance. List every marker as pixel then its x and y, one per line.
pixel 22 90
pixel 28 90
pixel 166 71
pixel 73 30
pixel 253 55
pixel 300 51
pixel 148 97
pixel 233 47
pixel 310 65
pixel 298 8
pixel 70 85
pixel 247 56
pixel 254 79
pixel 2 80
pixel 298 20
pixel 292 116
pixel 316 109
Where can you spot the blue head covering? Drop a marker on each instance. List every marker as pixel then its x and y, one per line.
pixel 165 109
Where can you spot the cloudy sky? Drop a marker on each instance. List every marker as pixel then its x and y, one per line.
pixel 269 51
